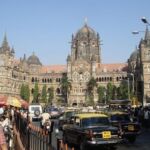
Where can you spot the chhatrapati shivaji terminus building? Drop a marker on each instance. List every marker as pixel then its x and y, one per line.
pixel 83 62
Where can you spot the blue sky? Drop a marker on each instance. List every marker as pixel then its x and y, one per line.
pixel 45 26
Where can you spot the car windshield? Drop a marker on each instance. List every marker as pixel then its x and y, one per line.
pixel 122 117
pixel 35 108
pixel 95 121
pixel 69 114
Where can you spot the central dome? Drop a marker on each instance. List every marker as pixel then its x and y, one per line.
pixel 86 31
pixel 34 60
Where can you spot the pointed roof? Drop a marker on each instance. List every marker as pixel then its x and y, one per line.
pixel 5 42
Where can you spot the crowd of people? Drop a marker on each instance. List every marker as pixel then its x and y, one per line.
pixel 6 119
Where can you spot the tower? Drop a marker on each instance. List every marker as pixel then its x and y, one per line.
pixel 81 64
pixel 144 47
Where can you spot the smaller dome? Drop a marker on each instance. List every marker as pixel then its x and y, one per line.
pixel 69 58
pixel 133 56
pixel 33 60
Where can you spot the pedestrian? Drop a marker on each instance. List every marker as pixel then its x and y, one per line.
pixel 146 118
pixel 3 144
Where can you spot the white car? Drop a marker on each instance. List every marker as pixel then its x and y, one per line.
pixel 35 111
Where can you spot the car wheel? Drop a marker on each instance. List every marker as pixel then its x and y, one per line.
pixel 132 139
pixel 83 146
pixel 36 112
pixel 65 139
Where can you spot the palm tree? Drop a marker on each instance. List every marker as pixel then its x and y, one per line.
pixel 101 94
pixel 65 87
pixel 50 95
pixel 90 90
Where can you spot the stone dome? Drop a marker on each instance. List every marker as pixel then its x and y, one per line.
pixel 133 56
pixel 86 31
pixel 33 60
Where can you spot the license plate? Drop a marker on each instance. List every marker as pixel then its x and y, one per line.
pixel 130 127
pixel 106 134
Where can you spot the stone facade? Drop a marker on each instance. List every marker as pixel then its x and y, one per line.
pixel 139 65
pixel 83 63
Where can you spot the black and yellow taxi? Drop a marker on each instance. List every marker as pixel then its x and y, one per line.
pixel 91 129
pixel 129 127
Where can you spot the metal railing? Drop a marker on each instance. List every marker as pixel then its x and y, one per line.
pixel 32 137
pixel 36 138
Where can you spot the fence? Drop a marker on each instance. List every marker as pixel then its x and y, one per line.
pixel 32 137
pixel 35 138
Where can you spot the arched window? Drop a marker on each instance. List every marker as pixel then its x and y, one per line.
pixel 32 91
pixel 58 91
pixel 48 89
pixel 32 79
pixel 117 79
pixel 110 78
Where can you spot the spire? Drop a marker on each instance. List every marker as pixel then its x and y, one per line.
pixel 147 34
pixel 12 51
pixel 24 57
pixel 85 21
pixel 5 43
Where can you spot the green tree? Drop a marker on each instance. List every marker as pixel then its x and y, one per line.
pixel 101 94
pixel 90 90
pixel 50 95
pixel 114 93
pixel 123 90
pixel 65 87
pixel 22 91
pixel 36 93
pixel 109 91
pixel 44 94
pixel 25 92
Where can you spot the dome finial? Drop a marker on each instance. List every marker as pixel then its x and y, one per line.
pixel 85 21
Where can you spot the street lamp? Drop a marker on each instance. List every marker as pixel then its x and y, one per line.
pixel 132 81
pixel 144 20
pixel 128 88
pixel 136 32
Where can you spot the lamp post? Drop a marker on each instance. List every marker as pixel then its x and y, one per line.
pixel 132 81
pixel 128 88
pixel 144 20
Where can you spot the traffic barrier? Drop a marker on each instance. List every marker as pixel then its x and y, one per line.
pixel 32 137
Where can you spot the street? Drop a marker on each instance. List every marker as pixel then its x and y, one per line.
pixel 142 142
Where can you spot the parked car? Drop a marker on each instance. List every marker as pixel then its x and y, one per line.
pixel 128 126
pixel 66 118
pixel 91 129
pixel 53 111
pixel 34 112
